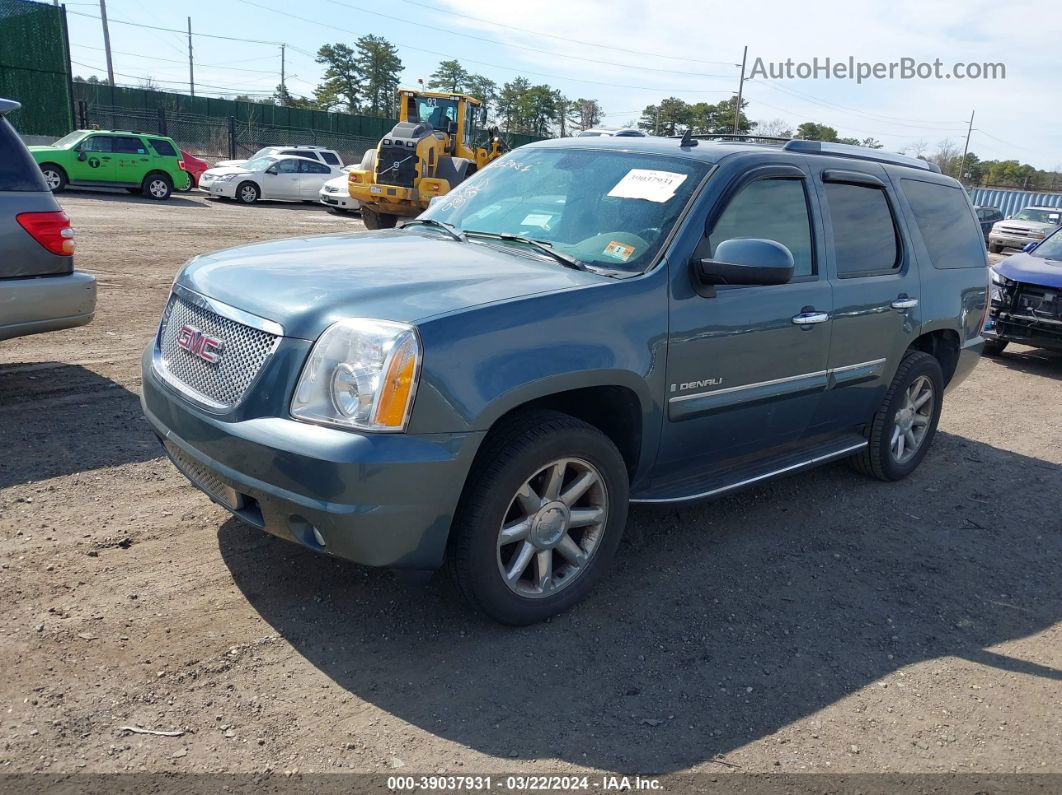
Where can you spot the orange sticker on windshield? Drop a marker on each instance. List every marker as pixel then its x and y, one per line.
pixel 620 251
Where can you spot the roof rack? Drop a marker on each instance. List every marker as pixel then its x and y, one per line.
pixel 858 153
pixel 728 137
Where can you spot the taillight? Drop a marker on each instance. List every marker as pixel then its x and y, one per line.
pixel 180 165
pixel 52 230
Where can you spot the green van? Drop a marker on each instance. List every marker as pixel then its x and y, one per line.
pixel 148 164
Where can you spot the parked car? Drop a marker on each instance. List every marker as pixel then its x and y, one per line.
pixel 601 132
pixel 335 195
pixel 269 177
pixel 1030 225
pixel 39 288
pixel 581 325
pixel 329 157
pixel 987 217
pixel 195 167
pixel 147 164
pixel 1026 295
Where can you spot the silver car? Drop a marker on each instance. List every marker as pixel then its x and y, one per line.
pixel 1030 225
pixel 39 288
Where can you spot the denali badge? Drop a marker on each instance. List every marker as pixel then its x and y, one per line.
pixel 199 344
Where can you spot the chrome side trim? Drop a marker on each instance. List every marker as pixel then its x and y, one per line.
pixel 788 379
pixel 231 312
pixel 730 389
pixel 749 481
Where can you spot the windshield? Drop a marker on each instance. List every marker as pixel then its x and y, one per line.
pixel 606 209
pixel 1050 248
pixel 259 163
pixel 437 112
pixel 69 139
pixel 1040 216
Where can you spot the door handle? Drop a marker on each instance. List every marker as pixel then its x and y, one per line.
pixel 903 302
pixel 810 318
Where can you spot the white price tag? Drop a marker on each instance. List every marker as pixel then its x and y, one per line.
pixel 649 184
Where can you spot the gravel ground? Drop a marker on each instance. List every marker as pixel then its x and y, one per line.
pixel 820 623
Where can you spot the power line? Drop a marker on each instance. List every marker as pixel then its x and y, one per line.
pixel 175 30
pixel 508 68
pixel 511 45
pixel 172 60
pixel 175 82
pixel 526 32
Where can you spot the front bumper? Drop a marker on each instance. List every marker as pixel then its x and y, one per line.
pixel 376 499
pixel 1038 333
pixel 226 189
pixel 340 200
pixel 46 303
pixel 1011 240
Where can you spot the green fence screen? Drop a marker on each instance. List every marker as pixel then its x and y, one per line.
pixel 34 68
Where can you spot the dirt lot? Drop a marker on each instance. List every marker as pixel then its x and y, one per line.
pixel 821 623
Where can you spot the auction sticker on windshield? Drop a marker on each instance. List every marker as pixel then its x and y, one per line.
pixel 648 184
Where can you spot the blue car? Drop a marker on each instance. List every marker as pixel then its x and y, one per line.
pixel 1026 298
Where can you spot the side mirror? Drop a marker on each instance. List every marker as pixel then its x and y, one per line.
pixel 745 261
pixel 1029 247
pixel 271 170
pixel 82 156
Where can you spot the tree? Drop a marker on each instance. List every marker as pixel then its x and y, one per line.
pixel 510 104
pixel 947 156
pixel 718 119
pixel 449 76
pixel 774 128
pixel 585 113
pixel 483 89
pixel 342 83
pixel 872 143
pixel 667 118
pixel 281 96
pixel 814 131
pixel 379 70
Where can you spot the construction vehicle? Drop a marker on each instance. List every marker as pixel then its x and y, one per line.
pixel 427 154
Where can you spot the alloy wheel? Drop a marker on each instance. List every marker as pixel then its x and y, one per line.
pixel 157 188
pixel 912 420
pixel 52 179
pixel 553 527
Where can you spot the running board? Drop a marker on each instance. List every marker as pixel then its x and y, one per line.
pixel 730 480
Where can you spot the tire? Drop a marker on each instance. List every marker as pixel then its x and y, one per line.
pixel 994 347
pixel 157 186
pixel 879 458
pixel 561 562
pixel 54 177
pixel 378 220
pixel 995 248
pixel 247 193
pixel 339 211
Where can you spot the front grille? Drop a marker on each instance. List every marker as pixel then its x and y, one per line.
pixel 1015 230
pixel 240 356
pixel 396 165
pixel 1039 302
pixel 203 477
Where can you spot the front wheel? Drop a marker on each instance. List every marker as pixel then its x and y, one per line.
pixel 377 220
pixel 540 519
pixel 995 248
pixel 905 423
pixel 247 193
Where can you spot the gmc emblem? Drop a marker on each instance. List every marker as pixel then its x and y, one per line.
pixel 199 344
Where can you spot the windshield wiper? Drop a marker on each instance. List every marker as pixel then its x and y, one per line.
pixel 540 246
pixel 449 229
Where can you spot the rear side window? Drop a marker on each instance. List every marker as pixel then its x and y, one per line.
pixel 773 209
pixel 18 170
pixel 864 232
pixel 300 153
pixel 128 146
pixel 330 158
pixel 942 212
pixel 310 167
pixel 164 148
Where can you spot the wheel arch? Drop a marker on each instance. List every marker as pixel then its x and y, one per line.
pixel 943 344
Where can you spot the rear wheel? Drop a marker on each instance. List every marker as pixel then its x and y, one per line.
pixel 247 193
pixel 994 347
pixel 157 186
pixel 540 519
pixel 905 423
pixel 378 220
pixel 54 177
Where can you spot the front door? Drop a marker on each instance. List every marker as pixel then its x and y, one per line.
pixel 747 367
pixel 131 159
pixel 876 290
pixel 281 181
pixel 95 161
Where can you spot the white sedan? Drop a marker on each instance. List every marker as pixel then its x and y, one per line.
pixel 335 195
pixel 279 178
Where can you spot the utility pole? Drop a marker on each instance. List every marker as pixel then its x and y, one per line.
pixel 283 87
pixel 107 41
pixel 965 149
pixel 191 71
pixel 741 86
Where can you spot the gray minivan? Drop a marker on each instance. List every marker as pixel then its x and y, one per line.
pixel 39 288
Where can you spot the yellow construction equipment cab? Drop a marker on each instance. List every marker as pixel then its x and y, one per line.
pixel 428 153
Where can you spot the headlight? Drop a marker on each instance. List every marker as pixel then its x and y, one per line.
pixel 995 276
pixel 225 177
pixel 361 374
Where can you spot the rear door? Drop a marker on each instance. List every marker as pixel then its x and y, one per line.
pixel 132 159
pixel 95 160
pixel 876 289
pixel 312 176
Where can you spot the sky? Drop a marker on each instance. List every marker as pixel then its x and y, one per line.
pixel 628 54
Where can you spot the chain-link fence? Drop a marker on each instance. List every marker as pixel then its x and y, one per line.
pixel 34 69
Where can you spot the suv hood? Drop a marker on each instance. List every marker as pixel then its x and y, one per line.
pixel 1032 270
pixel 1024 226
pixel 307 283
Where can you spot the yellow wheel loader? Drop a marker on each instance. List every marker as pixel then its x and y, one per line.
pixel 427 154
